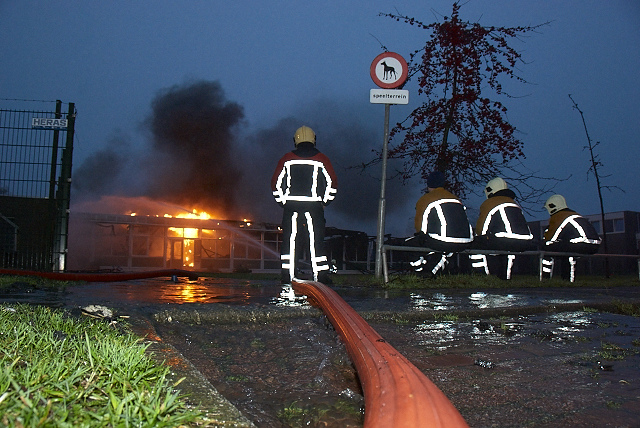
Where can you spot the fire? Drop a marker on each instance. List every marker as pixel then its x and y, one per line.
pixel 193 214
pixel 183 240
pixel 188 234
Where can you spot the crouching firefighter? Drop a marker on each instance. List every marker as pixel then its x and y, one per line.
pixel 501 226
pixel 568 232
pixel 441 225
pixel 303 183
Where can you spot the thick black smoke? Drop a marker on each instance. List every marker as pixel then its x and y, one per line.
pixel 192 160
pixel 196 157
pixel 101 172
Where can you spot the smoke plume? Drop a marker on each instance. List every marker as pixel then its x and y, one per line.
pixel 196 156
pixel 192 158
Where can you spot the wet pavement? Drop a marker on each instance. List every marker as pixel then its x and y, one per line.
pixel 527 357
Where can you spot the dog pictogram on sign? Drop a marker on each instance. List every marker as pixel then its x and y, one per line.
pixel 389 70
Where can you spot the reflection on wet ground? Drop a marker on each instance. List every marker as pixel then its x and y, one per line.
pixel 501 364
pixel 576 368
pixel 164 290
pixel 160 291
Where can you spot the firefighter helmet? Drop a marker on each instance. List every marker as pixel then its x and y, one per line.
pixel 555 203
pixel 494 186
pixel 304 134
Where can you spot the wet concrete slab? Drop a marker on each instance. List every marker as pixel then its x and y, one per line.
pixel 198 391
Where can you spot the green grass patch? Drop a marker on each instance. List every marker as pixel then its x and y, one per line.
pixel 291 414
pixel 237 378
pixel 612 352
pixel 613 405
pixel 446 317
pixel 13 281
pixel 626 308
pixel 474 281
pixel 61 371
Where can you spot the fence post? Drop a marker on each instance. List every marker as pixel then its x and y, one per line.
pixel 64 195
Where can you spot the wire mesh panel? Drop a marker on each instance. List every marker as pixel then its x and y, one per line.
pixel 35 170
pixel 26 155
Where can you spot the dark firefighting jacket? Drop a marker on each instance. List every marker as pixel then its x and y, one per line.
pixel 501 217
pixel 441 216
pixel 569 228
pixel 304 175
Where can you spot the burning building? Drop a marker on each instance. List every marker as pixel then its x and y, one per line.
pixel 139 240
pixel 183 240
pixel 194 129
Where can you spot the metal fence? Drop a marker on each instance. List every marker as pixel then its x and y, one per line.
pixel 36 149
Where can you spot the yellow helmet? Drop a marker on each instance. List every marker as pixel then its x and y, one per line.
pixel 494 186
pixel 555 203
pixel 304 134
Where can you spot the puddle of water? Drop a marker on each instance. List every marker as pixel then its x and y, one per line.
pixel 160 291
pixel 156 291
pixel 561 369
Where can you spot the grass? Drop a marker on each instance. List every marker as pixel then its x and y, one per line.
pixel 291 414
pixel 446 317
pixel 294 415
pixel 613 352
pixel 466 281
pixel 67 372
pixel 7 281
pixel 626 308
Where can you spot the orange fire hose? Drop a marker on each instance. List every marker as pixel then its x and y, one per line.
pixel 396 393
pixel 102 277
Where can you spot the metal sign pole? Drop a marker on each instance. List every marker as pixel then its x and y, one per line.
pixel 389 71
pixel 383 188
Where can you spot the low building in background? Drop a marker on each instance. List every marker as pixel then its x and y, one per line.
pixel 119 242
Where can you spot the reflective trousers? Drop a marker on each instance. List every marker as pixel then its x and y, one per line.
pixel 307 219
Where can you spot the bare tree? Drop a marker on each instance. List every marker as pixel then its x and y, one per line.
pixel 594 169
pixel 457 129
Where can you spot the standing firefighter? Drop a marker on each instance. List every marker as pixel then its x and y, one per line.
pixel 568 232
pixel 303 183
pixel 441 225
pixel 501 226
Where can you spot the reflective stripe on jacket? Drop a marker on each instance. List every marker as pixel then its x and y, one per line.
pixel 568 226
pixel 304 179
pixel 501 217
pixel 442 216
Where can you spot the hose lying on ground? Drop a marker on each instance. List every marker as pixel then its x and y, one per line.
pixel 396 393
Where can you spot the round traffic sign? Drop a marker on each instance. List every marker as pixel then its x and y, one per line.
pixel 389 70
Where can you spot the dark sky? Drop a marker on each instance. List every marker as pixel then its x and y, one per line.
pixel 135 69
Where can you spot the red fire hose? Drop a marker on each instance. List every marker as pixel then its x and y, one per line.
pixel 102 277
pixel 396 393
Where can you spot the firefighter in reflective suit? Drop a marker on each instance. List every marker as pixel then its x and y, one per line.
pixel 501 226
pixel 303 183
pixel 567 232
pixel 441 225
